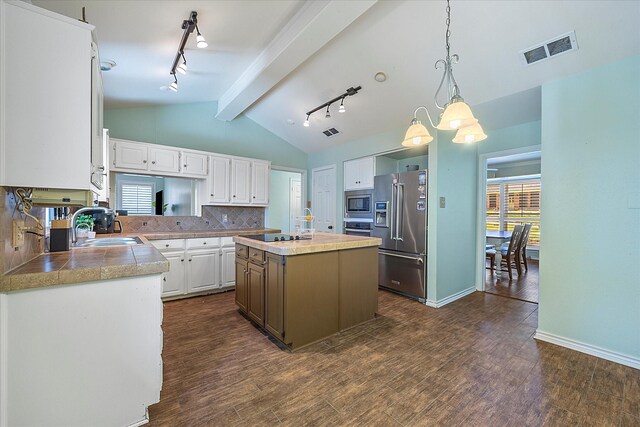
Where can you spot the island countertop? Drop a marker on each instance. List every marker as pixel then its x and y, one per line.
pixel 321 242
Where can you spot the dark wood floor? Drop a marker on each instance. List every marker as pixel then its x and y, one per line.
pixel 473 362
pixel 524 287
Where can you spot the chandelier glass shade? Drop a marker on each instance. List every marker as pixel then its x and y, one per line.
pixel 416 135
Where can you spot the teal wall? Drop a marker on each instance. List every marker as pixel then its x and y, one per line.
pixel 516 170
pixel 195 126
pixel 589 268
pixel 518 136
pixel 457 177
pixel 279 196
pixel 421 161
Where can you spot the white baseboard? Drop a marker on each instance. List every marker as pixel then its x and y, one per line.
pixel 451 298
pixel 143 421
pixel 593 350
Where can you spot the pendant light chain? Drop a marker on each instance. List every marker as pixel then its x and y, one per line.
pixel 448 33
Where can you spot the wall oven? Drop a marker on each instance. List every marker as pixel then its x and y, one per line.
pixel 356 228
pixel 357 204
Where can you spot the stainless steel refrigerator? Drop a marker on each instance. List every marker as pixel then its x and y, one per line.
pixel 400 220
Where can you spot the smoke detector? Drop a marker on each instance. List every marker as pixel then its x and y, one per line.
pixel 551 48
pixel 107 65
pixel 330 132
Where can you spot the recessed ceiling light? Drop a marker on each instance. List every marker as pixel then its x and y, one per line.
pixel 380 77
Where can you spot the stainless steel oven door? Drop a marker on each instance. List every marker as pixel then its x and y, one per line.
pixel 357 231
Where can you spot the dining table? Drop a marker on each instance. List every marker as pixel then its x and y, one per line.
pixel 497 238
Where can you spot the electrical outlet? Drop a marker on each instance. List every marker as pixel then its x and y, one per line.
pixel 442 202
pixel 18 233
pixel 225 218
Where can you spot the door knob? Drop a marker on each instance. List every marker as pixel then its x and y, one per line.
pixel 330 227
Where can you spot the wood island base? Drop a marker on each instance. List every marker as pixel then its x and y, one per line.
pixel 304 298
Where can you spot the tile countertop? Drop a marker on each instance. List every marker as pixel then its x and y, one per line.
pixel 202 233
pixel 85 265
pixel 321 242
pixel 89 264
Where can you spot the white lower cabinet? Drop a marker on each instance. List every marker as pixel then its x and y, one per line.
pixel 193 269
pixel 173 280
pixel 228 266
pixel 202 271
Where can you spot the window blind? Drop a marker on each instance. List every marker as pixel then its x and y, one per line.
pixel 513 202
pixel 137 199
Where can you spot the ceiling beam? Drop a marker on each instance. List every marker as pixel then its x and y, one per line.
pixel 313 26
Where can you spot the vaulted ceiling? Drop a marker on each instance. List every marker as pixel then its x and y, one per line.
pixel 275 60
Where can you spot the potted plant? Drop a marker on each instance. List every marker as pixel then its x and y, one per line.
pixel 84 226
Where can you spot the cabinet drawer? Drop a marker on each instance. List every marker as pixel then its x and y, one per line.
pixel 226 241
pixel 169 244
pixel 242 251
pixel 256 255
pixel 203 243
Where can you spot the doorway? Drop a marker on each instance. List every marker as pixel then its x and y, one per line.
pixel 509 197
pixel 324 198
pixel 286 198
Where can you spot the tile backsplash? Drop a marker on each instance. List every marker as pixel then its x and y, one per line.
pixel 11 258
pixel 212 219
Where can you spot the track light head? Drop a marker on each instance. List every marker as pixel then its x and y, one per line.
pixel 182 68
pixel 342 109
pixel 328 115
pixel 306 122
pixel 174 85
pixel 200 41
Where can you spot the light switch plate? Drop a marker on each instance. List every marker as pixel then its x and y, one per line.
pixel 442 202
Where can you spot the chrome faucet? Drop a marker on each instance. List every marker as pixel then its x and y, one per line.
pixel 74 218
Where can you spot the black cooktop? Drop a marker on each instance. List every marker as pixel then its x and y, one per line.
pixel 276 237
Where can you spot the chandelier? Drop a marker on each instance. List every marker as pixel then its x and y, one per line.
pixel 456 114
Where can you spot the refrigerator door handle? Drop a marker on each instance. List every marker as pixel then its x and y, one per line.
pixel 414 258
pixel 394 187
pixel 400 212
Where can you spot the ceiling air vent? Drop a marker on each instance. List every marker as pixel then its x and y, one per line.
pixel 330 132
pixel 554 47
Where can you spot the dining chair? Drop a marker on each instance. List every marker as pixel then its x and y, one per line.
pixel 491 256
pixel 511 253
pixel 522 247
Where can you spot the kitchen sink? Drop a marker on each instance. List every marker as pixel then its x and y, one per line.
pixel 107 241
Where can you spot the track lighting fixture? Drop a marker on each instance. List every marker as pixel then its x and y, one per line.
pixel 180 62
pixel 182 68
pixel 174 85
pixel 456 113
pixel 200 41
pixel 349 92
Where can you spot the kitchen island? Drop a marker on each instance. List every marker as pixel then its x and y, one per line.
pixel 302 291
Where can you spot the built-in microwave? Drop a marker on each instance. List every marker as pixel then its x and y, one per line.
pixel 357 204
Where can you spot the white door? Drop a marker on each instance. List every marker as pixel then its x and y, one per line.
pixel 194 164
pixel 295 202
pixel 130 155
pixel 240 181
pixel 202 271
pixel 324 198
pixel 260 183
pixel 228 267
pixel 173 280
pixel 164 160
pixel 219 179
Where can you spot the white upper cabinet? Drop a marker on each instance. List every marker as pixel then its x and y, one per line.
pixel 164 160
pixel 46 90
pixel 240 181
pixel 260 182
pixel 194 163
pixel 129 155
pixel 219 180
pixel 359 173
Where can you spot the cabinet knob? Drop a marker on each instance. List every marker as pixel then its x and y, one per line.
pixel 164 279
pixel 153 162
pixel 144 161
pixel 181 260
pixel 212 195
pixel 204 243
pixel 189 260
pixel 167 245
pixel 234 196
pixel 254 197
pixel 185 166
